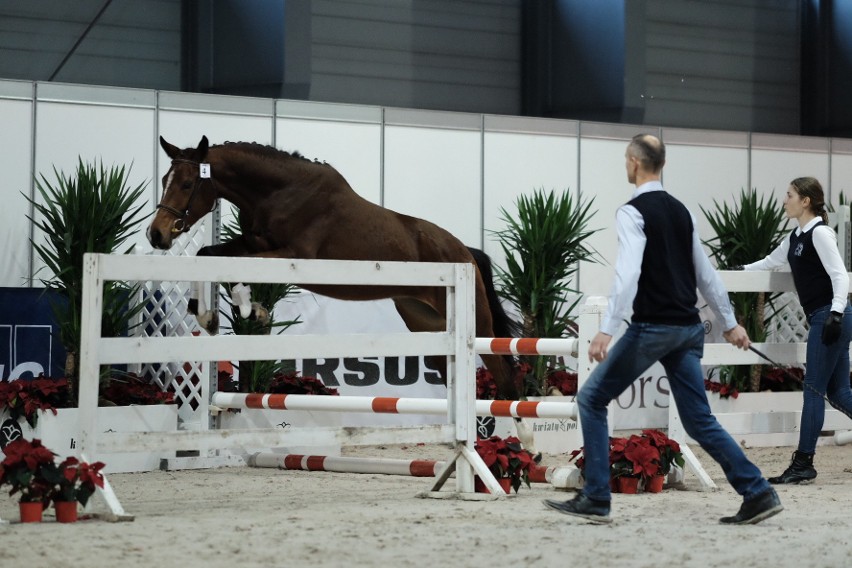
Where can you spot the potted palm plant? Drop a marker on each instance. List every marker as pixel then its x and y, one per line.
pixel 747 232
pixel 543 244
pixel 92 210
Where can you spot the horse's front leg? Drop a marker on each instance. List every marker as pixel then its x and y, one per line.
pixel 209 320
pixel 241 296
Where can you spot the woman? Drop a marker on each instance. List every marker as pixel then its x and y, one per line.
pixel 822 284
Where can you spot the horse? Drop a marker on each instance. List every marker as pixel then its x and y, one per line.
pixel 293 207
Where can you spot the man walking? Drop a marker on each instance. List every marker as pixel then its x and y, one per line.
pixel 660 265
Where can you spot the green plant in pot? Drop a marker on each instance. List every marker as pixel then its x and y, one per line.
pixel 544 242
pixel 91 211
pixel 255 376
pixel 746 233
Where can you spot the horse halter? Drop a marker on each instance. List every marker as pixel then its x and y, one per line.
pixel 180 225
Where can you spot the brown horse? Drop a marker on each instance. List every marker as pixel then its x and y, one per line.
pixel 291 207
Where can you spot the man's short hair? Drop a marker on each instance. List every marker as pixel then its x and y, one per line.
pixel 649 150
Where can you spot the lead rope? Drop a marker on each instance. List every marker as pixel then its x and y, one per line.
pixel 790 375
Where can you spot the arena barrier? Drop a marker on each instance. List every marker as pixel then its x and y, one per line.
pixel 455 343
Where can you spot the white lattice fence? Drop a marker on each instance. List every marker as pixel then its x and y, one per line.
pixel 166 315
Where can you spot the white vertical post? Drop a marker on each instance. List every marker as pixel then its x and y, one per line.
pixel 90 335
pixel 591 315
pixel 464 370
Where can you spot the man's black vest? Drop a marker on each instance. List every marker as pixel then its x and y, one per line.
pixel 667 290
pixel 812 281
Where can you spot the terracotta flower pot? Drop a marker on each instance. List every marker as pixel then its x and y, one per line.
pixel 30 511
pixel 628 484
pixel 505 483
pixel 66 511
pixel 613 485
pixel 655 484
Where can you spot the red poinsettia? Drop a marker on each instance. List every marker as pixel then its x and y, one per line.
pixel 650 454
pixel 293 383
pixel 28 468
pixel 724 390
pixel 77 481
pixel 563 381
pixel 506 458
pixel 25 397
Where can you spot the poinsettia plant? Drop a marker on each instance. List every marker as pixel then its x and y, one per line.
pixel 486 386
pixel 28 468
pixel 294 383
pixel 506 458
pixel 670 453
pixel 562 382
pixel 25 397
pixel 129 389
pixel 76 481
pixel 647 455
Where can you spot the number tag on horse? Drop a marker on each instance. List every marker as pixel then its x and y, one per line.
pixel 204 170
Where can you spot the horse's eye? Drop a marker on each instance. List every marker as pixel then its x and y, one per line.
pixel 187 185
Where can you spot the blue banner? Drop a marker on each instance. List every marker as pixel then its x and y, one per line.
pixel 29 337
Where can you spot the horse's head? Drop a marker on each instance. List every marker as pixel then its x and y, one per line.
pixel 188 194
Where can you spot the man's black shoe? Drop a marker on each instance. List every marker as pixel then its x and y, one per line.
pixel 583 507
pixel 756 509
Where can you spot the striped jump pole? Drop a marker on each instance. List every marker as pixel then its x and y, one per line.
pixel 561 477
pixel 390 405
pixel 526 346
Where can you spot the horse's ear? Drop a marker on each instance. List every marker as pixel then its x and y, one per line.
pixel 203 146
pixel 171 151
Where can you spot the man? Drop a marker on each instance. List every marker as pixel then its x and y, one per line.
pixel 660 264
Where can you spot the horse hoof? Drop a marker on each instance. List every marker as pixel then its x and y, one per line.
pixel 210 323
pixel 259 314
pixel 192 306
pixel 537 458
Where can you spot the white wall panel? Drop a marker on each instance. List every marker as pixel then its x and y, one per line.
pixel 354 149
pixel 520 162
pixel 114 127
pixel 705 166
pixel 15 163
pixel 776 160
pixel 433 174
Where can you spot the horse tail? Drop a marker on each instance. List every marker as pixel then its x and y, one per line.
pixel 502 324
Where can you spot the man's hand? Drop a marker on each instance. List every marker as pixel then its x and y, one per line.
pixel 737 336
pixel 598 347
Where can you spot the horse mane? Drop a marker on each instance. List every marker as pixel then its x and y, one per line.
pixel 267 151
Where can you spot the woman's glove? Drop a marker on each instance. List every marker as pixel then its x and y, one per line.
pixel 831 329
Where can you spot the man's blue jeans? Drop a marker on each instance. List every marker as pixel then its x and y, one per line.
pixel 827 371
pixel 679 349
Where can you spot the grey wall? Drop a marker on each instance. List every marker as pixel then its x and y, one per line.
pixel 737 65
pixel 133 44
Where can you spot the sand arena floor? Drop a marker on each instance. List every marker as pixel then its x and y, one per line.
pixel 265 517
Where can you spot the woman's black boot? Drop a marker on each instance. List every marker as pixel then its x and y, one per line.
pixel 801 470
